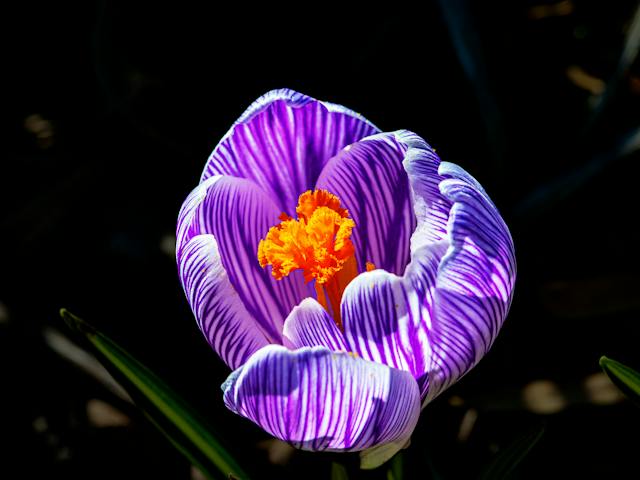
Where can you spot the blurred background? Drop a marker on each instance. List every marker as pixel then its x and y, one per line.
pixel 111 110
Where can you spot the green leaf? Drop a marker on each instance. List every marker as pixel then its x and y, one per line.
pixel 508 459
pixel 182 425
pixel 625 378
pixel 338 472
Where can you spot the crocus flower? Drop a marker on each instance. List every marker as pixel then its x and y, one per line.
pixel 347 276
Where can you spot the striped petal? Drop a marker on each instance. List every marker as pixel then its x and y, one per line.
pixel 309 325
pixel 386 317
pixel 369 178
pixel 317 399
pixel 283 141
pixel 475 283
pixel 442 315
pixel 238 214
pixel 220 314
pixel 430 207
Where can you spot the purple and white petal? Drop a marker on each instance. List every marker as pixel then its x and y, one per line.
pixel 369 178
pixel 238 214
pixel 475 282
pixel 429 205
pixel 283 141
pixel 317 399
pixel 387 318
pixel 220 314
pixel 309 325
pixel 442 315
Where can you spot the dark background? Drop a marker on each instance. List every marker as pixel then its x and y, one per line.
pixel 111 111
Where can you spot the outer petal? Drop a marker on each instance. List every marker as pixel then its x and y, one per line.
pixel 238 214
pixel 441 317
pixel 316 399
pixel 475 283
pixel 430 207
pixel 369 178
pixel 309 325
pixel 283 141
pixel 219 312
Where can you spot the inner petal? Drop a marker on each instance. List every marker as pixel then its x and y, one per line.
pixel 370 178
pixel 237 213
pixel 309 325
pixel 283 141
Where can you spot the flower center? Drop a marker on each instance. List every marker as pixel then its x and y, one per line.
pixel 318 243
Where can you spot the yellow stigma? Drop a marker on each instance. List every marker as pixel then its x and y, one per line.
pixel 318 243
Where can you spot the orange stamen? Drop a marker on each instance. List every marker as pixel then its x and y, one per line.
pixel 318 243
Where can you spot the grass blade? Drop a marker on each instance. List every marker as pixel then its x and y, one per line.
pixel 183 426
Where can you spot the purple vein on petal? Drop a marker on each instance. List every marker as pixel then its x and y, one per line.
pixel 318 400
pixel 238 214
pixel 221 316
pixel 369 178
pixel 283 141
pixel 442 316
pixel 309 325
